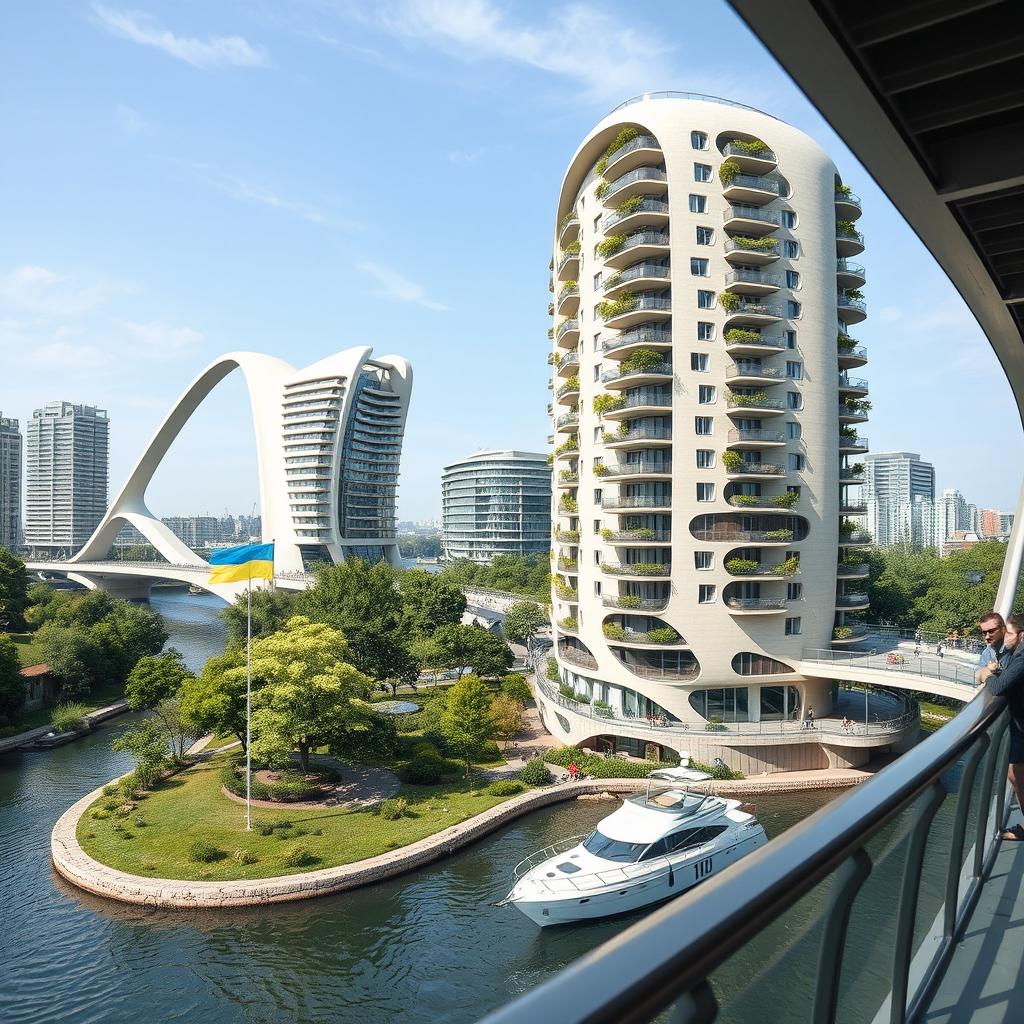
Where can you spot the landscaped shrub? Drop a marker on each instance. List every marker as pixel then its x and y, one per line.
pixel 722 771
pixel 626 302
pixel 753 398
pixel 428 769
pixel 604 768
pixel 728 172
pixel 516 687
pixel 99 814
pixel 729 301
pixel 551 669
pixel 245 857
pixel 662 635
pixel 630 205
pixel 790 567
pixel 202 852
pixel 771 535
pixel 505 787
pixel 741 334
pixel 846 228
pixel 68 716
pixel 299 857
pixel 611 245
pixel 839 633
pixel 607 403
pixel 732 461
pixel 535 773
pixel 753 148
pixel 787 500
pixel 392 810
pixel 292 787
pixel 745 242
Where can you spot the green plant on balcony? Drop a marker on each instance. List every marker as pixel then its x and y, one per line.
pixel 607 403
pixel 567 504
pixel 846 228
pixel 613 631
pixel 551 670
pixel 714 725
pixel 572 249
pixel 572 383
pixel 571 285
pixel 844 190
pixel 787 500
pixel 775 535
pixel 551 332
pixel 745 500
pixel 852 294
pixel 603 188
pixel 850 562
pixel 600 469
pixel 568 536
pixel 612 281
pixel 552 359
pixel 630 205
pixel 620 140
pixel 732 461
pixel 611 245
pixel 729 301
pixel 625 303
pixel 848 526
pixel 790 567
pixel 856 405
pixel 570 444
pixel 640 360
pixel 842 633
pixel 567 564
pixel 728 172
pixel 565 592
pixel 848 433
pixel 749 398
pixel 741 335
pixel 569 622
pixel 567 219
pixel 602 709
pixel 741 566
pixel 857 469
pixel 845 343
pixel 757 244
pixel 646 568
pixel 620 434
pixel 661 635
pixel 568 476
pixel 628 601
pixel 752 148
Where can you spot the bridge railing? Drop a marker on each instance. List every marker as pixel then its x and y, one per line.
pixel 800 897
pixel 926 666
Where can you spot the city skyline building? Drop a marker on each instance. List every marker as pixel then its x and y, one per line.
pixel 495 503
pixel 897 488
pixel 706 423
pixel 11 445
pixel 66 475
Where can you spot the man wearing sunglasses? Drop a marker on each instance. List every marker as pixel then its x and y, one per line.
pixel 993 630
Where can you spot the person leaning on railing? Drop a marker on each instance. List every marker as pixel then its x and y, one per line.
pixel 1004 677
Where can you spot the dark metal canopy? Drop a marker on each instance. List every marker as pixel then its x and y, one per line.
pixel 929 94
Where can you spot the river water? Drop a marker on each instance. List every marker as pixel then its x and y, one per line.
pixel 429 946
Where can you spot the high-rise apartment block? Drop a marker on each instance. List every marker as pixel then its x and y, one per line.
pixel 10 483
pixel 65 476
pixel 899 491
pixel 496 503
pixel 706 424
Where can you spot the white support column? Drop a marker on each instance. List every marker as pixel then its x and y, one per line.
pixel 1011 566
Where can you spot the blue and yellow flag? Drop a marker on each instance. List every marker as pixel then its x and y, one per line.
pixel 246 562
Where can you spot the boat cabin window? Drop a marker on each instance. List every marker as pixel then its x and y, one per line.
pixel 684 840
pixel 612 849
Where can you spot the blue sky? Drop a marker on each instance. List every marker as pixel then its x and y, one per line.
pixel 297 176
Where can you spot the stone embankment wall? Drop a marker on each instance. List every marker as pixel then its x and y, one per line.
pixel 71 861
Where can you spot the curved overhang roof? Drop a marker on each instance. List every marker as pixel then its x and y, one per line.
pixel 929 95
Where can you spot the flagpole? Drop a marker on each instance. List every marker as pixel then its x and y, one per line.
pixel 248 703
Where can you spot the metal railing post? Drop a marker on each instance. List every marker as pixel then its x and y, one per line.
pixel 698 1006
pixel 956 846
pixel 987 781
pixel 907 913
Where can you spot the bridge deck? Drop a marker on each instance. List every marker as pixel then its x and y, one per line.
pixel 984 983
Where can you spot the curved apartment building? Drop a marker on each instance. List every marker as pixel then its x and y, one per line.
pixel 705 287
pixel 496 503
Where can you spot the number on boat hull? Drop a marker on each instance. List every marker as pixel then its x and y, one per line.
pixel 702 869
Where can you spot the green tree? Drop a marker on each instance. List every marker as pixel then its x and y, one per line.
pixel 363 601
pixel 951 600
pixel 429 655
pixel 523 620
pixel 507 717
pixel 12 685
pixel 73 655
pixel 466 722
pixel 13 591
pixel 215 700
pixel 430 601
pixel 271 609
pixel 146 741
pixel 470 646
pixel 308 691
pixel 155 678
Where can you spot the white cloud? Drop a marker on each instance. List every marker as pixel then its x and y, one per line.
pixel 247 191
pixel 159 340
pixel 214 51
pixel 44 292
pixel 399 288
pixel 131 122
pixel 579 41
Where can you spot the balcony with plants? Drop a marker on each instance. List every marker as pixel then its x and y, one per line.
pixel 850 442
pixel 851 474
pixel 642 366
pixel 852 534
pixel 746 599
pixel 852 567
pixel 569 448
pixel 849 241
pixel 850 274
pixel 568 565
pixel 749 221
pixel 567 363
pixel 642 401
pixel 751 402
pixel 569 392
pixel 626 343
pixel 568 624
pixel 567 536
pixel 622 250
pixel 751 281
pixel 740 341
pixel 575 652
pixel 564 590
pixel 646 535
pixel 568 478
pixel 753 568
pixel 755 437
pixel 653 598
pixel 747 189
pixel 748 312
pixel 851 355
pixel 753 156
pixel 852 601
pixel 744 250
pixel 848 507
pixel 645 274
pixel 854 387
pixel 568 229
pixel 569 298
pixel 568 423
pixel 848 206
pixel 850 305
pixel 567 506
pixel 569 262
pixel 644 469
pixel 848 632
pixel 631 148
pixel 638 570
pixel 854 410
pixel 739 468
pixel 637 212
pixel 641 631
pixel 626 504
pixel 752 373
pixel 738 528
pixel 567 334
pixel 764 502
pixel 641 181
pixel 638 435
pixel 633 308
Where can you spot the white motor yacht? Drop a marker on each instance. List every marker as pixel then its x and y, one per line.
pixel 656 845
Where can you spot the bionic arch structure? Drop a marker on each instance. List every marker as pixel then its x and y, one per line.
pixel 328 445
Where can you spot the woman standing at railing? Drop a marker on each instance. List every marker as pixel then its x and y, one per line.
pixel 1005 677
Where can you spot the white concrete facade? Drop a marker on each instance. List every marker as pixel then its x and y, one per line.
pixel 328 445
pixel 718 330
pixel 10 483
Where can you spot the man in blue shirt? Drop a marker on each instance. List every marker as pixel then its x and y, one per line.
pixel 993 629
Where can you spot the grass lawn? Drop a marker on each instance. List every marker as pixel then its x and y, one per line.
pixel 28 652
pixel 934 716
pixel 160 848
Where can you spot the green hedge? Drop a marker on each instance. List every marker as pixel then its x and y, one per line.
pixel 293 786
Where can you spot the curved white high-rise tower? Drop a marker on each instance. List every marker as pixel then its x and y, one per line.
pixel 706 434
